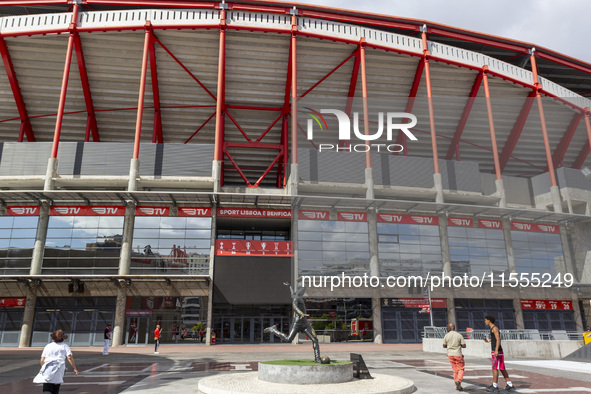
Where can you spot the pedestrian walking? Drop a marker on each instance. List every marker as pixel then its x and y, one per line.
pixel 53 363
pixel 454 343
pixel 498 358
pixel 157 335
pixel 107 339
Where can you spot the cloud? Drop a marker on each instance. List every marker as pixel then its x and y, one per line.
pixel 557 25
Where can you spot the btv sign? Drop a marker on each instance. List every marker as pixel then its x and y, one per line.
pixel 345 130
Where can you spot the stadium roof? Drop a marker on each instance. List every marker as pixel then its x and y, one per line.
pixel 181 89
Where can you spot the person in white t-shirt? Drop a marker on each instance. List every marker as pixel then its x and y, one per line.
pixel 53 363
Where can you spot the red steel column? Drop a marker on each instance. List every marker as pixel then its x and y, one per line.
pixel 554 185
pixel 140 101
pixel 588 125
pixel 365 106
pixel 491 123
pixel 64 89
pixel 134 168
pixel 430 101
pixel 294 91
pixel 220 109
pixel 437 180
pixel 493 140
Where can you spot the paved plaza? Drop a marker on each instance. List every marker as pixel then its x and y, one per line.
pixel 178 368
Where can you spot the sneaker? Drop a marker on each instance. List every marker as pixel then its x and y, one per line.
pixel 510 388
pixel 156 353
pixel 492 388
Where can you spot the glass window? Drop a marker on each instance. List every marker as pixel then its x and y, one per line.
pixel 332 247
pixel 83 245
pixel 408 249
pixel 17 240
pixel 475 251
pixel 174 245
pixel 537 252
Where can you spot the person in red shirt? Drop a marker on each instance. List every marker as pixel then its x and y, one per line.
pixel 157 335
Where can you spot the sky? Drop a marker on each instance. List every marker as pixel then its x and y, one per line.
pixel 560 25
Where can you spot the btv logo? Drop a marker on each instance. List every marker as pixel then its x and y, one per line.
pixel 345 129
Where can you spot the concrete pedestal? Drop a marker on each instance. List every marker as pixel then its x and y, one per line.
pixel 248 383
pixel 306 374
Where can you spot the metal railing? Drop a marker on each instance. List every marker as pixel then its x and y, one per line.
pixel 439 333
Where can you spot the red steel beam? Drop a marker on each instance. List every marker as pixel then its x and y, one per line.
pixel 248 184
pixel 352 89
pixel 200 127
pixel 329 74
pixel 64 87
pixel 269 128
pixel 157 130
pixel 140 103
pixel 220 110
pixel 566 139
pixel 416 82
pixel 25 129
pixel 454 146
pixel 91 125
pixel 516 131
pixel 430 104
pixel 258 182
pixel 365 105
pixel 183 66
pixel 294 91
pixel 587 147
pixel 534 68
pixel 491 123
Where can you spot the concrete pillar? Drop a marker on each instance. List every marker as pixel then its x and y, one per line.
pixel 29 315
pixel 209 322
pixel 120 306
pixel 369 193
pixel 501 193
pixel 50 174
pixel 216 175
pixel 509 246
pixel 39 248
pixel 518 314
pixel 451 310
pixel 438 183
pixel 292 188
pixel 372 224
pixel 445 257
pixel 376 312
pixel 127 238
pixel 134 174
pixel 556 200
pixel 567 252
pixel 577 314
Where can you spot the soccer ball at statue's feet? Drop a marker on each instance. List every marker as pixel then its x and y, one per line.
pixel 325 360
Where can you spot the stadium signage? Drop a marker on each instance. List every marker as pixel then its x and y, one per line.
pixel 547 304
pixel 344 122
pixel 255 213
pixel 313 215
pixel 352 216
pixel 489 223
pixel 22 211
pixel 407 219
pixel 539 228
pixel 460 222
pixel 64 210
pixel 195 211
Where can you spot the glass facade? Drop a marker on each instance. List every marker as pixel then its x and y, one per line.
pixel 336 319
pixel 409 249
pixel 475 251
pixel 537 252
pixel 17 239
pixel 331 247
pixel 83 245
pixel 174 245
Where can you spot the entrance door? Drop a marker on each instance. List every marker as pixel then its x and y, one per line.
pixel 138 332
pixel 247 329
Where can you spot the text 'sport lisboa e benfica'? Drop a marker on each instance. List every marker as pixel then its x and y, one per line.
pixel 176 163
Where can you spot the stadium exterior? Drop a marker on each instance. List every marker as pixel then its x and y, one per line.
pixel 176 162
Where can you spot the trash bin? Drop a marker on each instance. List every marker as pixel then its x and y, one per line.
pixel 213 338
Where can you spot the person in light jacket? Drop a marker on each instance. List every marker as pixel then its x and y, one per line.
pixel 53 363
